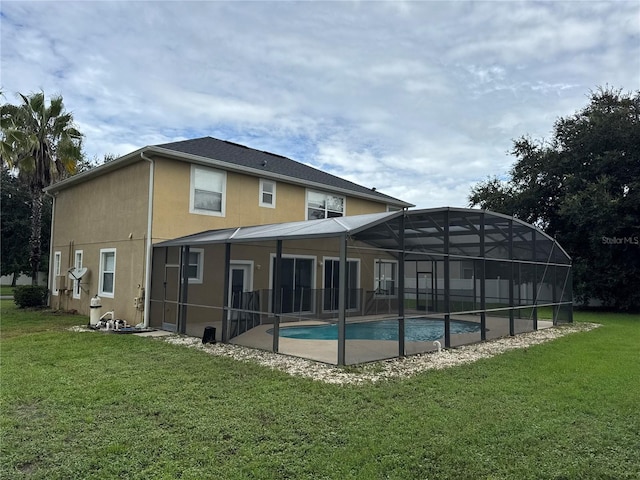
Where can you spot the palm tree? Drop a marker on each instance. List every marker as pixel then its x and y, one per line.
pixel 43 146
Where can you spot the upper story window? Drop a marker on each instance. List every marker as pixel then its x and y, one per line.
pixel 208 187
pixel 324 205
pixel 107 280
pixel 267 193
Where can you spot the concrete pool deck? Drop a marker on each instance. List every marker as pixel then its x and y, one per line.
pixel 362 351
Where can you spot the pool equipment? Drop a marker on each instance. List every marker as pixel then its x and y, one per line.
pixel 94 314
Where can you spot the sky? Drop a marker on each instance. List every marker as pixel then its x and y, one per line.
pixel 421 100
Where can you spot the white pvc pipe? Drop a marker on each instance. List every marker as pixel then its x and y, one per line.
pixel 149 243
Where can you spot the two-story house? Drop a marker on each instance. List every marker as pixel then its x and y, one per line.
pixel 108 219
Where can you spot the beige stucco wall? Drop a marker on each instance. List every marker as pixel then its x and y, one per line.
pixel 106 212
pixel 171 216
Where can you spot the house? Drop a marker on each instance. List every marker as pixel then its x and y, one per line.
pixel 107 220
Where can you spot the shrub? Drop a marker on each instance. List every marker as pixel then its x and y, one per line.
pixel 26 296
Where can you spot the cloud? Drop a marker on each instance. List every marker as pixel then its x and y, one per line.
pixel 419 99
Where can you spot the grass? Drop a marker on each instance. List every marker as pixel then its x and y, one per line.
pixel 94 406
pixel 6 290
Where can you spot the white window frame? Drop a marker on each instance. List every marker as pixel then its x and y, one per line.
pixel 326 209
pixel 192 191
pixel 376 279
pixel 199 266
pixel 262 193
pixel 77 289
pixel 57 263
pixel 101 291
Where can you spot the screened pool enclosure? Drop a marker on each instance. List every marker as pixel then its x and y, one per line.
pixel 356 289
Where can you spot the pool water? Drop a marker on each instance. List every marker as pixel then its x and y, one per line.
pixel 416 330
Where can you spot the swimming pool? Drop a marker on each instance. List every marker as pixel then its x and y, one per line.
pixel 416 330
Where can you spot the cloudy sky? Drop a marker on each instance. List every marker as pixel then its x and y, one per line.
pixel 418 99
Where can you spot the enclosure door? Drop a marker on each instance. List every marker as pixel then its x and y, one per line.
pixel 425 292
pixel 171 295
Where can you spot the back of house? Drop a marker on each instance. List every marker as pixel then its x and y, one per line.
pixel 106 220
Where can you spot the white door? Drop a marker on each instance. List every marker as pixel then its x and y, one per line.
pixel 240 281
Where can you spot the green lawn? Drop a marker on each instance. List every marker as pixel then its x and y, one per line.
pixel 85 405
pixel 6 290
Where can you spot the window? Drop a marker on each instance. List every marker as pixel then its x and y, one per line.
pixel 386 276
pixel 107 272
pixel 267 193
pixel 57 261
pixel 77 288
pixel 207 191
pixel 324 205
pixel 196 257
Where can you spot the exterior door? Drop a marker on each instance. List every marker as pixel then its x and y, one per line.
pixel 242 300
pixel 297 282
pixel 331 290
pixel 171 295
pixel 240 283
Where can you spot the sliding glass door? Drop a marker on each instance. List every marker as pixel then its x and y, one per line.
pixel 297 284
pixel 332 285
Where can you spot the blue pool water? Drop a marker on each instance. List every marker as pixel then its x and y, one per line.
pixel 416 330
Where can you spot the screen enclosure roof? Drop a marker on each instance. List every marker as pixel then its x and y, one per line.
pixel 471 233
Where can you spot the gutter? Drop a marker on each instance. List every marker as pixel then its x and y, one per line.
pixel 149 244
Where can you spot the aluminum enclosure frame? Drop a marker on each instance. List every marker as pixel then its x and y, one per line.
pixel 494 250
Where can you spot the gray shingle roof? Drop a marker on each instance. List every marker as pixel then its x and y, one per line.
pixel 270 163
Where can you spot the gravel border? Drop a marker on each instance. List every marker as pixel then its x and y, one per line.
pixel 384 369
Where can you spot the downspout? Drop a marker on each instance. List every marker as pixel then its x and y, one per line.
pixel 50 278
pixel 149 243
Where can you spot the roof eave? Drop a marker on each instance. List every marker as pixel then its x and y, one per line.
pixel 197 159
pixel 119 162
